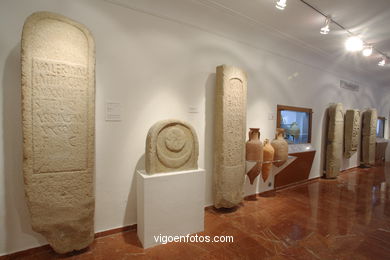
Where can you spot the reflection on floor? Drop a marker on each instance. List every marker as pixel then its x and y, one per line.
pixel 347 218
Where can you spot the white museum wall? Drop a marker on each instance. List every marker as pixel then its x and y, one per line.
pixel 159 62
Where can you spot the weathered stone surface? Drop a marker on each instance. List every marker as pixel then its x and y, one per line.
pixel 171 145
pixel 369 122
pixel 334 147
pixel 58 99
pixel 351 132
pixel 229 136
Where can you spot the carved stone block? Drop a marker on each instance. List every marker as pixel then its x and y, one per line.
pixel 334 145
pixel 351 132
pixel 171 145
pixel 58 99
pixel 229 136
pixel 369 122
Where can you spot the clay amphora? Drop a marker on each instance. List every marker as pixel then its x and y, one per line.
pixel 280 146
pixel 268 157
pixel 254 152
pixel 254 148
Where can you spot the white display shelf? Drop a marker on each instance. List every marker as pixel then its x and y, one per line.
pixel 259 184
pixel 300 148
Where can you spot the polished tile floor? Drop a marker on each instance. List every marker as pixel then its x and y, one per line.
pixel 347 218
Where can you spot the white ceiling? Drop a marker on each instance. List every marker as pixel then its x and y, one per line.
pixel 368 18
pixel 247 20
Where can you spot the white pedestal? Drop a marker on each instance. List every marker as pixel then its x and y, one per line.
pixel 169 204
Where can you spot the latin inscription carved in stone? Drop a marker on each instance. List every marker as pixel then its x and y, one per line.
pixel 59 115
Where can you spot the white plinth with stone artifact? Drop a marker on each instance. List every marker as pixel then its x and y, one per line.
pixel 169 204
pixel 229 136
pixel 334 140
pixel 58 104
pixel 369 122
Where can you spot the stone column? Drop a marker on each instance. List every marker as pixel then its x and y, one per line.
pixel 229 136
pixel 370 118
pixel 58 103
pixel 351 132
pixel 334 143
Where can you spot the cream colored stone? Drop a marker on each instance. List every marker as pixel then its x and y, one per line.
pixel 334 147
pixel 351 132
pixel 369 122
pixel 171 145
pixel 229 136
pixel 58 100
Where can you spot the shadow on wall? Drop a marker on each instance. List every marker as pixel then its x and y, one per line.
pixel 131 208
pixel 209 136
pixel 16 213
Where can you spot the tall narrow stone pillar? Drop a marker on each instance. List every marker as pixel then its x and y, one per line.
pixel 334 142
pixel 229 136
pixel 58 103
pixel 369 122
pixel 351 132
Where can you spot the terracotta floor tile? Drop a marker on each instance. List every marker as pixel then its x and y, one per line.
pixel 346 218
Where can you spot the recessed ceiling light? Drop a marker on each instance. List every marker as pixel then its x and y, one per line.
pixel 353 44
pixel 326 29
pixel 367 51
pixel 281 4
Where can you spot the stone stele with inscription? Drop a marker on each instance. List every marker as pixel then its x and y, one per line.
pixel 369 122
pixel 334 143
pixel 171 145
pixel 351 132
pixel 229 136
pixel 58 101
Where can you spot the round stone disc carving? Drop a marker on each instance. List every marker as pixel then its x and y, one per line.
pixel 171 145
pixel 174 146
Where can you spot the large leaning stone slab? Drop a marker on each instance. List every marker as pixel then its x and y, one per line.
pixel 58 97
pixel 334 143
pixel 369 122
pixel 229 136
pixel 171 145
pixel 351 132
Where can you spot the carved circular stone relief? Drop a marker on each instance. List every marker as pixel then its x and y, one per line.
pixel 174 145
pixel 175 139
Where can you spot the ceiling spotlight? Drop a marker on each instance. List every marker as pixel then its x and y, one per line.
pixel 382 62
pixel 325 29
pixel 281 4
pixel 354 43
pixel 367 50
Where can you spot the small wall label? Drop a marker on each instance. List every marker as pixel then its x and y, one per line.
pixel 113 111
